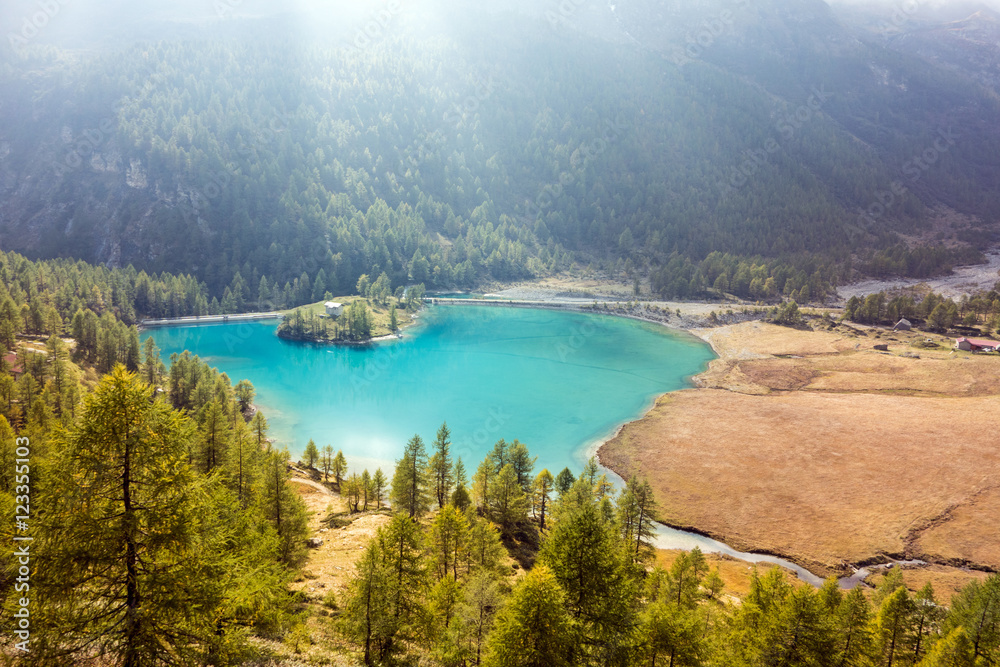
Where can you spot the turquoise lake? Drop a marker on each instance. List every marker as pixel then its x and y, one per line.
pixel 560 382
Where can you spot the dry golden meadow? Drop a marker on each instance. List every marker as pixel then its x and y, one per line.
pixel 815 446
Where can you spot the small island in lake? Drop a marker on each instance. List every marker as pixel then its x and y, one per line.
pixel 371 315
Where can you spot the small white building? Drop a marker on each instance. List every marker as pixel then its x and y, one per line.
pixel 333 309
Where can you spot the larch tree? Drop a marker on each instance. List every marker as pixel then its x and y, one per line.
pixel 522 462
pixel 460 498
pixel 409 483
pixel 508 504
pixel 215 439
pixel 339 467
pixel 123 514
pixel 366 489
pixel 854 630
pixel 393 319
pixel 953 650
pixel 8 451
pixel 443 600
pixel 285 509
pixel 448 537
pixel 499 456
pixel 326 462
pixel 482 482
pixel 458 474
pixel 778 624
pixel 259 427
pixel 895 627
pixel 440 466
pixel 245 393
pixel 977 610
pixel 802 632
pixel 927 617
pixel 635 516
pixel 484 550
pixel 244 463
pixel 675 634
pixel 368 616
pixel 311 454
pixel 594 568
pixel 350 490
pixel 533 628
pixel 378 487
pixel 681 584
pixel 401 543
pixel 477 613
pixel 564 481
pixel 541 493
pixel 152 365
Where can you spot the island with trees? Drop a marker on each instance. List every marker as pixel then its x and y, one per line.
pixel 375 312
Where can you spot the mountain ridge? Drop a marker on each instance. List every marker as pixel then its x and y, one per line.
pixel 501 156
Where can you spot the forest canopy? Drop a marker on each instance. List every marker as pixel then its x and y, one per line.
pixel 296 165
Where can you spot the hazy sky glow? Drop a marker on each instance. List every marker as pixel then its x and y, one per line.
pixel 918 5
pixel 86 23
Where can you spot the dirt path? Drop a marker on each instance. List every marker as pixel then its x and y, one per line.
pixel 330 564
pixel 316 485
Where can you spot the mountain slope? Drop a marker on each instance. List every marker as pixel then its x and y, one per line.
pixel 456 150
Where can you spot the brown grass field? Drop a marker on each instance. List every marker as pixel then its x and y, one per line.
pixel 814 446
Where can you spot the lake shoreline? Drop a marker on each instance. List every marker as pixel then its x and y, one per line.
pixel 490 373
pixel 809 571
pixel 671 324
pixel 347 343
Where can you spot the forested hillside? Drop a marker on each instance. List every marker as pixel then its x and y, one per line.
pixel 164 530
pixel 153 517
pixel 787 144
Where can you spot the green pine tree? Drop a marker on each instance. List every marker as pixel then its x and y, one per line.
pixel 564 481
pixel 977 609
pixel 368 615
pixel 311 454
pixel 448 539
pixel 440 466
pixel 541 493
pixel 339 467
pixel 285 509
pixel 409 483
pixel 533 628
pixel 123 512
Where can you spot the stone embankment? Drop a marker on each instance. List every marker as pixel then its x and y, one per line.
pixel 210 319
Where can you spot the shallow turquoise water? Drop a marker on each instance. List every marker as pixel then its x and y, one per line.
pixel 557 381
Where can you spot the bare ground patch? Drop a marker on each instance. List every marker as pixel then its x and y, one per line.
pixel 329 566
